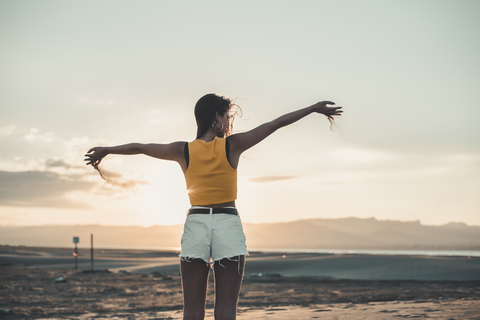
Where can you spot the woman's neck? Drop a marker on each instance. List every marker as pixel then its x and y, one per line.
pixel 208 136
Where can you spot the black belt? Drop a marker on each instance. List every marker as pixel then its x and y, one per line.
pixel 214 211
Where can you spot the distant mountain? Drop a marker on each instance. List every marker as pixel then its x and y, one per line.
pixel 104 236
pixel 354 233
pixel 347 233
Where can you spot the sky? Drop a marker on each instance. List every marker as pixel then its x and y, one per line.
pixel 79 74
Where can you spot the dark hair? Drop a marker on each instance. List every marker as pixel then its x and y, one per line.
pixel 206 110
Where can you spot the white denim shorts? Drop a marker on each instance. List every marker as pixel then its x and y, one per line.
pixel 212 237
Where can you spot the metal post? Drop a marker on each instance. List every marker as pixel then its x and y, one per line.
pixel 76 256
pixel 91 250
pixel 76 240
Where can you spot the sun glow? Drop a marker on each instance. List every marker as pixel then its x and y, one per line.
pixel 357 155
pixel 164 200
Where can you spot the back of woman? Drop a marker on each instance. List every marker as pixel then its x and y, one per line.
pixel 213 236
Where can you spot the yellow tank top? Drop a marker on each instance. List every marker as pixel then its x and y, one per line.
pixel 210 177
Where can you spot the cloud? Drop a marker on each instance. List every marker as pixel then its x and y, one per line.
pixel 41 169
pixel 270 178
pixel 8 130
pixel 359 155
pixel 41 189
pixel 34 136
pixel 51 163
pixel 119 180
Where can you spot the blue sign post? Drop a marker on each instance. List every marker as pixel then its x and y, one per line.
pixel 76 240
pixel 91 251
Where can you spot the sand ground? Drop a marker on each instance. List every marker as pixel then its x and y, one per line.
pixel 154 292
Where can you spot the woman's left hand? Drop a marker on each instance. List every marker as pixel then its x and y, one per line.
pixel 323 108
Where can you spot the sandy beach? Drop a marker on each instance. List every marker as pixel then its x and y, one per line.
pixel 142 284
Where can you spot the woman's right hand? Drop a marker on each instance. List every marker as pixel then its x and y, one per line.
pixel 95 155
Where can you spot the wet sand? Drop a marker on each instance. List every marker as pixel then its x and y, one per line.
pixel 301 286
pixel 332 266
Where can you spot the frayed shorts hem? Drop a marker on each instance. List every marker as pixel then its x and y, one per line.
pixel 210 262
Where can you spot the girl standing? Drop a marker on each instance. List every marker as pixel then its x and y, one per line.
pixel 213 230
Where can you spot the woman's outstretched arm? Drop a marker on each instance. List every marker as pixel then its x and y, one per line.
pixel 244 141
pixel 172 151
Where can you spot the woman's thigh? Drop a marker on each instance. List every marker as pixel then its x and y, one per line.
pixel 228 280
pixel 194 284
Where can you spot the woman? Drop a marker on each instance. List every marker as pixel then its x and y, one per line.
pixel 213 230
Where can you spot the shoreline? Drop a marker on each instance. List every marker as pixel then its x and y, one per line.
pixel 328 266
pixel 408 252
pixel 43 293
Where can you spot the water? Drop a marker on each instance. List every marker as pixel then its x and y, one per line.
pixel 447 253
pixel 450 253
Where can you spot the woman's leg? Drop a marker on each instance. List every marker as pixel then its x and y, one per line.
pixel 194 283
pixel 228 279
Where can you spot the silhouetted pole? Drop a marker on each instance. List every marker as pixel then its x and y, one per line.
pixel 76 256
pixel 91 250
pixel 76 240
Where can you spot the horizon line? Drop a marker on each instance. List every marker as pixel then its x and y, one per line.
pixel 246 222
